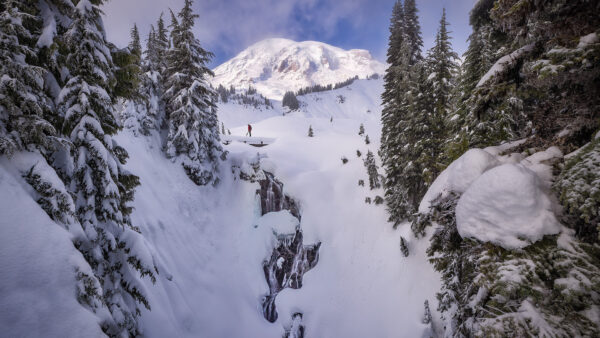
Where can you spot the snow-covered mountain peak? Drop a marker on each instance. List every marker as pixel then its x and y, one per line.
pixel 274 66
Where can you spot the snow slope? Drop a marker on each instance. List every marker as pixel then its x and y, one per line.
pixel 274 66
pixel 211 243
pixel 39 262
pixel 361 101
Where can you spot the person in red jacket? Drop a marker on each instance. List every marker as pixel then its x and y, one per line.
pixel 249 131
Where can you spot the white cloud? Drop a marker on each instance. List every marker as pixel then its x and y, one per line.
pixel 231 25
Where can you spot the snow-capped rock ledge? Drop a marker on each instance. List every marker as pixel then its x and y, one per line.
pixel 504 198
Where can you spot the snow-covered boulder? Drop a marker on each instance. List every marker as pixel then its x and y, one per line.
pixel 459 175
pixel 507 206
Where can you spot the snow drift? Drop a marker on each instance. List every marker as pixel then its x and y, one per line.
pixel 504 199
pixel 506 206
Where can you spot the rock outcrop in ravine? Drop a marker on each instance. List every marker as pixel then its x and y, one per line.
pixel 290 258
pixel 285 268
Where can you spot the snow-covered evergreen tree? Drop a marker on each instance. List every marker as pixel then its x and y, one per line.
pixel 151 57
pixel 434 104
pixel 193 133
pixel 544 289
pixel 310 131
pixel 139 112
pixel 404 247
pixel 578 187
pixel 101 187
pixel 372 172
pixel 289 100
pixel 24 106
pixel 392 77
pixel 152 83
pixel 401 100
pixel 444 67
pixel 412 30
pixel 162 44
pixel 361 130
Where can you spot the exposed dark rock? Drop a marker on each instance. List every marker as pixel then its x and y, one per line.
pixel 286 267
pixel 290 259
pixel 296 329
pixel 272 197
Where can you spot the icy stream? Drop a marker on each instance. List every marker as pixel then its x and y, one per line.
pixel 272 197
pixel 290 259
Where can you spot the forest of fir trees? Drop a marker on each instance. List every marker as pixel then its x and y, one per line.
pixel 545 95
pixel 59 90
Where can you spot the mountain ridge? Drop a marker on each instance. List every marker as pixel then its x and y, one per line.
pixel 274 66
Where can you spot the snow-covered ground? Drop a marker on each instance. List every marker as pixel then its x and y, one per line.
pixel 361 101
pixel 39 262
pixel 211 244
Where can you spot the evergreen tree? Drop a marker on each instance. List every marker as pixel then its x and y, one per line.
pixel 310 131
pixel 480 296
pixel 193 133
pixel 290 101
pixel 101 187
pixel 435 104
pixel 403 247
pixel 443 63
pixel 578 187
pixel 135 45
pixel 152 58
pixel 402 177
pixel 397 27
pixel 426 313
pixel 152 85
pixel 392 78
pixel 371 166
pixel 128 68
pixel 412 31
pixel 23 104
pixel 367 140
pixel 482 52
pixel 361 130
pixel 416 140
pixel 161 39
pixel 140 111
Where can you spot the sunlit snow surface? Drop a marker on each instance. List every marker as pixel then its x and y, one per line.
pixel 274 66
pixel 211 244
pixel 38 261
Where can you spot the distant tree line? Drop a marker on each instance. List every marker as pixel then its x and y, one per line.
pixel 248 98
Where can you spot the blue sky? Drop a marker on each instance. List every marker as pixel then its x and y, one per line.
pixel 227 27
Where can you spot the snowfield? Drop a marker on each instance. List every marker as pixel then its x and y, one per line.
pixel 39 262
pixel 211 242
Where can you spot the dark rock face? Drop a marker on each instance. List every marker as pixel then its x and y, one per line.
pixel 272 197
pixel 296 329
pixel 286 267
pixel 290 259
